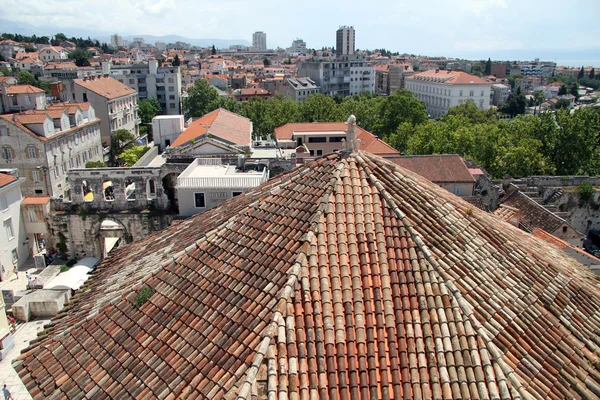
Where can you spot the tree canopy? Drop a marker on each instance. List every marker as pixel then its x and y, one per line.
pixel 148 109
pixel 515 103
pixel 121 140
pixel 176 61
pixel 80 57
pixel 133 154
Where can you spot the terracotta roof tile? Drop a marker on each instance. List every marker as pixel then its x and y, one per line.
pixel 28 200
pixel 5 179
pixel 106 87
pixel 439 168
pixel 223 124
pixel 349 277
pixel 23 89
pixel 449 77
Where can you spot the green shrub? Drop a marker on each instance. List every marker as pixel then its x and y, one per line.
pixel 143 296
pixel 586 191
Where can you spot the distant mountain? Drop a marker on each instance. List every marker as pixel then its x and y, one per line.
pixel 7 26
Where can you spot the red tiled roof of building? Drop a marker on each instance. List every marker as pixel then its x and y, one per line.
pixel 109 88
pixel 32 117
pixel 449 77
pixel 439 168
pixel 23 89
pixel 35 200
pixel 5 179
pixel 61 65
pixel 251 92
pixel 5 79
pixel 368 141
pixel 221 123
pixel 349 277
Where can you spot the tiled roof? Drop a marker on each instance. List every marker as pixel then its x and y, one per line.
pixel 5 179
pixel 561 244
pixel 506 213
pixel 224 124
pixel 349 278
pixel 109 88
pixel 448 77
pixel 32 200
pixel 533 215
pixel 23 89
pixel 368 141
pixel 5 79
pixel 251 92
pixel 439 168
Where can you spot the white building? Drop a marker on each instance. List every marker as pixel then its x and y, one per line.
pixel 45 144
pixel 206 183
pixel 499 94
pixel 14 249
pixel 162 46
pixel 345 43
pixel 8 48
pixel 165 129
pixel 259 41
pixel 442 89
pixel 344 75
pixel 17 98
pixel 298 47
pixel 114 102
pixel 53 53
pixel 116 41
pixel 151 82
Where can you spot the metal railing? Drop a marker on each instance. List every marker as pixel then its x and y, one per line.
pixel 223 181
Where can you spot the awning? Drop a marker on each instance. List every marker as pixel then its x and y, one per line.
pixel 75 277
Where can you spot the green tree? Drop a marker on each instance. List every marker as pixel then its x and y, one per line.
pixel 95 164
pixel 176 61
pixel 470 110
pixel 133 154
pixel 581 73
pixel 202 98
pixel 488 67
pixel 148 109
pixel 577 141
pixel 562 90
pixel 539 97
pixel 512 79
pixel 317 108
pixel 562 103
pixel 119 142
pixel 4 71
pixel 586 192
pixel 266 62
pixel 30 49
pixel 80 57
pixel 400 107
pixel 515 104
pixel 26 78
pixel 592 74
pixel 213 51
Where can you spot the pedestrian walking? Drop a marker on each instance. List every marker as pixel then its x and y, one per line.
pixel 6 393
pixel 27 276
pixel 16 271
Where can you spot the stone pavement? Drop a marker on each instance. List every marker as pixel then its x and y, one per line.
pixel 24 334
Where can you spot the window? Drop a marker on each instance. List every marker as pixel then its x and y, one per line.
pixel 235 194
pixel 172 105
pixel 472 93
pixel 39 191
pixel 337 139
pixel 460 93
pixel 199 200
pixel 564 229
pixel 171 97
pixel 7 153
pixel 456 190
pixel 8 227
pixel 132 81
pixel 482 92
pixel 171 89
pixel 319 153
pixel 312 153
pixel 3 131
pixel 317 139
pixel 3 203
pixel 35 175
pixel 31 215
pixel 171 80
pixel 15 256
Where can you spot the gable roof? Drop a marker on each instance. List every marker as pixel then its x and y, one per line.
pixel 109 88
pixel 349 277
pixel 533 215
pixel 438 168
pixel 223 124
pixel 368 141
pixel 449 77
pixel 23 89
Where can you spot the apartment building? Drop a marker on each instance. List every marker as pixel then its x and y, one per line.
pixel 499 94
pixel 45 144
pixel 114 102
pixel 345 41
pixel 8 49
pixel 345 75
pixel 13 251
pixel 442 89
pixel 298 47
pixel 298 88
pixel 390 78
pixel 53 53
pixel 259 41
pixel 151 82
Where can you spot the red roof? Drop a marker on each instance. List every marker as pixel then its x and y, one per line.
pixel 23 89
pixel 33 200
pixel 109 88
pixel 449 77
pixel 5 179
pixel 224 124
pixel 368 141
pixel 441 168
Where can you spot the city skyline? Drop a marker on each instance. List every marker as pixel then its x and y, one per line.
pixel 467 29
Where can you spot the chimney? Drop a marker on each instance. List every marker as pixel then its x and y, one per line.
pixel 437 70
pixel 106 75
pixel 85 78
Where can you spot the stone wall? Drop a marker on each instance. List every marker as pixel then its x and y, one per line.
pixel 79 230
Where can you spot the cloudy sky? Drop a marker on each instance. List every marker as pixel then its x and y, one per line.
pixel 460 28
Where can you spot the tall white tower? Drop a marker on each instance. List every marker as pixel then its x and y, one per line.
pixel 259 41
pixel 344 44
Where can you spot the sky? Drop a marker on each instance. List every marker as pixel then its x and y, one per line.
pixel 548 29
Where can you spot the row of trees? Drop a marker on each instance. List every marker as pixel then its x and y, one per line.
pixel 548 143
pixel 380 115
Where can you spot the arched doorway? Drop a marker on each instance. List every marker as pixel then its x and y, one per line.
pixel 112 234
pixel 169 182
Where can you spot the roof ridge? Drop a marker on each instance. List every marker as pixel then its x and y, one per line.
pixel 446 279
pixel 287 291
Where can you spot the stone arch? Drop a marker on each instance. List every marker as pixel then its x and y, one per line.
pixel 169 183
pixel 111 233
